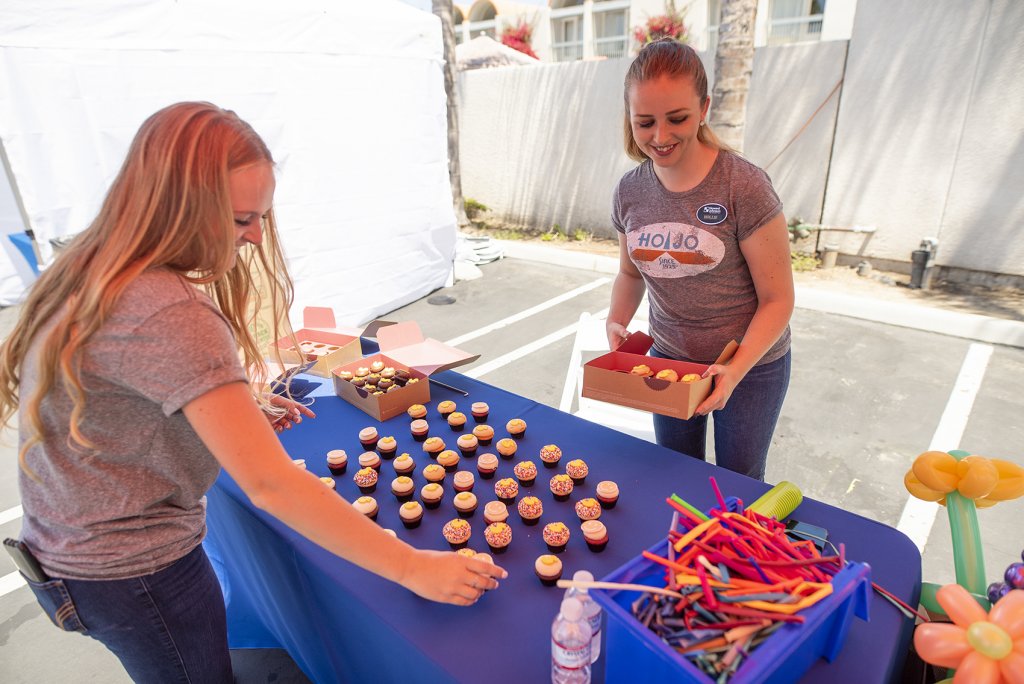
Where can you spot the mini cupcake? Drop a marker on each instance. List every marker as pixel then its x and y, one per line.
pixel 595 534
pixel 561 487
pixel 411 513
pixel 432 493
pixel 433 473
pixel 300 463
pixel 548 569
pixel 530 510
pixel 607 493
pixel 368 438
pixel 390 532
pixel 376 366
pixel 358 381
pixel 367 505
pixel 369 459
pixel 463 481
pixel 507 447
pixel 385 384
pixel 386 447
pixel 498 536
pixel 337 461
pixel 550 454
pixel 668 374
pixel 366 480
pixel 361 372
pixel 419 429
pixel 495 511
pixel 480 409
pixel 484 434
pixel 485 557
pixel 329 482
pixel 402 487
pixel 433 446
pixel 487 465
pixel 690 377
pixel 457 532
pixel 507 490
pixel 467 445
pixel 404 465
pixel 467 552
pixel 403 377
pixel 449 460
pixel 346 375
pixel 525 472
pixel 457 421
pixel 643 370
pixel 465 504
pixel 516 427
pixel 556 536
pixel 588 509
pixel 446 408
pixel 577 469
pixel 387 373
pixel 417 411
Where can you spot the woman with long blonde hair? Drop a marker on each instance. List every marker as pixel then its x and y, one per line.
pixel 125 372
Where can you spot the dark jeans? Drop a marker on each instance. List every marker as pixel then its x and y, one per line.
pixel 166 627
pixel 743 429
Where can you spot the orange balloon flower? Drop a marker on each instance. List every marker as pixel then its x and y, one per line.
pixel 985 480
pixel 984 649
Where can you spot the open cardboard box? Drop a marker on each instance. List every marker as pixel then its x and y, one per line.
pixel 402 346
pixel 608 378
pixel 323 342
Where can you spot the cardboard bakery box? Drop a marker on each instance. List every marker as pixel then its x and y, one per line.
pixel 608 378
pixel 322 342
pixel 402 346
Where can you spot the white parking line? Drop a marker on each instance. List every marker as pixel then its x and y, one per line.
pixel 506 359
pixel 918 516
pixel 11 582
pixel 10 514
pixel 456 341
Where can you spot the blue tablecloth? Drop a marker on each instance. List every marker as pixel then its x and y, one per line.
pixel 340 623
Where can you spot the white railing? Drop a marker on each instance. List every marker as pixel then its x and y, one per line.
pixel 612 46
pixel 567 52
pixel 795 30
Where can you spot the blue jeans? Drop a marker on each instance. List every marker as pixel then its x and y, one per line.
pixel 743 429
pixel 169 626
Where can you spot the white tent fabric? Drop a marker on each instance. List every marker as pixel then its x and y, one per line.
pixel 484 52
pixel 349 97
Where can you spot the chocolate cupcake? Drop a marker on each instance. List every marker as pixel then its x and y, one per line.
pixel 432 446
pixel 417 411
pixel 376 366
pixel 446 408
pixel 367 505
pixel 411 513
pixel 516 428
pixel 465 504
pixel 387 447
pixel 548 569
pixel 457 421
pixel 484 434
pixel 507 448
pixel 404 465
pixel 467 445
pixel 433 473
pixel 402 487
pixel 432 493
pixel 329 482
pixel 449 460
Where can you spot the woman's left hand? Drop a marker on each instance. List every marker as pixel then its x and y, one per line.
pixel 293 416
pixel 726 379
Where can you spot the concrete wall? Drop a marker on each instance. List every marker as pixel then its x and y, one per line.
pixel 928 134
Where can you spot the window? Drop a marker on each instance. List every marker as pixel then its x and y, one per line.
pixel 611 29
pixel 482 20
pixel 567 30
pixel 795 21
pixel 714 20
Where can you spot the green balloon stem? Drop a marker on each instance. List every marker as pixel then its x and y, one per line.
pixel 963 525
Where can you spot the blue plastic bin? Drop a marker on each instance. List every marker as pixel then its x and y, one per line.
pixel 633 653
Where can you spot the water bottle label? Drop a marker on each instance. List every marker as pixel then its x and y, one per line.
pixel 572 658
pixel 595 624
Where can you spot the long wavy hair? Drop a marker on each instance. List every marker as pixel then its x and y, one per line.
pixel 169 207
pixel 667 57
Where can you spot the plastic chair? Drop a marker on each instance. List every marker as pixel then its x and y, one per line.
pixel 24 244
pixel 591 342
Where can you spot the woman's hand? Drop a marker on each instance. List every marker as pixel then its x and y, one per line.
pixel 450 578
pixel 726 379
pixel 293 415
pixel 617 334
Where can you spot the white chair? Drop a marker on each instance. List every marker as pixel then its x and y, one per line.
pixel 590 343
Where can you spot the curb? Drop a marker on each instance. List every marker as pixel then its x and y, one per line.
pixel 968 326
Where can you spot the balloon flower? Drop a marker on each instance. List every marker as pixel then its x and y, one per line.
pixel 961 481
pixel 984 648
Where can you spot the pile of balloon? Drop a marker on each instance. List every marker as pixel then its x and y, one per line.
pixel 983 646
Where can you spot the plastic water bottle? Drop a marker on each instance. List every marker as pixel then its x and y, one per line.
pixel 570 645
pixel 591 611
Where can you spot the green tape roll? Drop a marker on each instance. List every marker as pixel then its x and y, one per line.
pixel 779 501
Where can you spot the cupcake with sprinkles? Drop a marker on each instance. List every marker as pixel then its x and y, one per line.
pixel 498 536
pixel 507 489
pixel 550 455
pixel 561 486
pixel 556 536
pixel 530 510
pixel 525 472
pixel 577 469
pixel 588 509
pixel 457 533
pixel 366 480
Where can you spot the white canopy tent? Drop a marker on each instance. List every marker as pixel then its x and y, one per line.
pixel 348 95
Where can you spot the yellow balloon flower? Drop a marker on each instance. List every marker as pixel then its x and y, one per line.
pixel 986 481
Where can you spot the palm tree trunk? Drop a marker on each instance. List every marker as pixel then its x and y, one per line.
pixel 443 10
pixel 734 62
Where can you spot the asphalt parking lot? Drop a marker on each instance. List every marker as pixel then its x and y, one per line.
pixel 865 398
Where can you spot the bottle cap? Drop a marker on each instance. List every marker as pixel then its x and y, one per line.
pixel 572 610
pixel 582 576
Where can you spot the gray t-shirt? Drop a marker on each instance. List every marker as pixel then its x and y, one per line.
pixel 135 503
pixel 687 247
